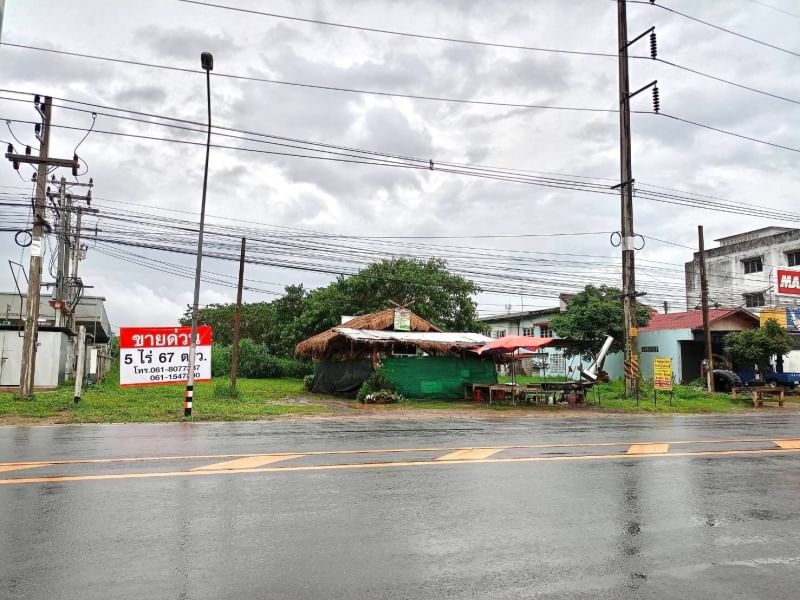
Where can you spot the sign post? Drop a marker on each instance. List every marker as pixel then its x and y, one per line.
pixel 662 377
pixel 159 355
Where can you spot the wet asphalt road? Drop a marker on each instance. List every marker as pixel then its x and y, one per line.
pixel 704 526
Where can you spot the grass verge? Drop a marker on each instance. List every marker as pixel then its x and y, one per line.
pixel 214 401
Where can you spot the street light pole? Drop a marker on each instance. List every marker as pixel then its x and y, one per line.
pixel 207 62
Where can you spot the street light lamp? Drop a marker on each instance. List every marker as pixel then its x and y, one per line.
pixel 207 62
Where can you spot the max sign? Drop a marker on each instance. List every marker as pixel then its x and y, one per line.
pixel 158 355
pixel 788 282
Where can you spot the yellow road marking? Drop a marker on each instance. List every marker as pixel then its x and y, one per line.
pixel 21 464
pixel 249 462
pixel 648 449
pixel 789 444
pixel 17 466
pixel 470 454
pixel 416 463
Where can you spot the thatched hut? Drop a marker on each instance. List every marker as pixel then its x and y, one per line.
pixel 419 358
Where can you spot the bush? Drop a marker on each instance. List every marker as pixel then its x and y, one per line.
pixel 378 381
pixel 308 382
pixel 383 397
pixel 256 363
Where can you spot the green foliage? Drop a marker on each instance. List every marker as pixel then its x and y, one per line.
pixel 758 346
pixel 377 381
pixel 308 382
pixel 256 362
pixel 383 397
pixel 593 314
pixel 439 296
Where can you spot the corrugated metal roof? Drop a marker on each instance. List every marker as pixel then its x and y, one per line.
pixel 412 337
pixel 692 319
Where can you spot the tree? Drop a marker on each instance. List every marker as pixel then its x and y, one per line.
pixel 438 296
pixel 758 346
pixel 593 314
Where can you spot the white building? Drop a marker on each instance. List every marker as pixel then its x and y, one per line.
pixel 551 360
pixel 741 270
pixel 55 354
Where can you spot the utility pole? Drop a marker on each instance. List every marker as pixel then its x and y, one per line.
pixel 207 62
pixel 80 363
pixel 626 190
pixel 704 304
pixel 64 227
pixel 43 162
pixel 237 320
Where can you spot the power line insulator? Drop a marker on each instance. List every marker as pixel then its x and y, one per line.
pixel 653 45
pixel 656 100
pixel 75 168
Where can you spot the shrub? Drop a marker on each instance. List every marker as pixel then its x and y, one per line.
pixel 383 397
pixel 308 382
pixel 377 381
pixel 256 362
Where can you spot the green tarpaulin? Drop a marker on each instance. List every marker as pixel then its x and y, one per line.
pixel 437 376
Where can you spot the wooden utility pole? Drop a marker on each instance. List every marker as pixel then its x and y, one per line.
pixel 704 305
pixel 237 319
pixel 626 190
pixel 29 341
pixel 43 162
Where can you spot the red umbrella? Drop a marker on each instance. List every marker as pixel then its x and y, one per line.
pixel 510 343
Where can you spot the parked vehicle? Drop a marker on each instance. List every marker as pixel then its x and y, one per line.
pixel 771 378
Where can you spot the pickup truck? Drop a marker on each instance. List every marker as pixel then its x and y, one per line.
pixel 752 378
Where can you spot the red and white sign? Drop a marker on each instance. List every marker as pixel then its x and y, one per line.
pixel 788 282
pixel 159 355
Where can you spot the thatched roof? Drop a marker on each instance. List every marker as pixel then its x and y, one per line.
pixel 323 343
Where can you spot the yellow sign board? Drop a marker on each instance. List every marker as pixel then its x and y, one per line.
pixel 779 314
pixel 662 374
pixel 634 331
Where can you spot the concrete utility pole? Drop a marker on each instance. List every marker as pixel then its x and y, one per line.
pixel 626 190
pixel 207 62
pixel 237 319
pixel 80 363
pixel 704 304
pixel 64 229
pixel 28 370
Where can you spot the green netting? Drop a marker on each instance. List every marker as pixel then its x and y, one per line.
pixel 437 376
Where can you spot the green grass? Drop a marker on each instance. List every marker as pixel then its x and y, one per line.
pixel 109 403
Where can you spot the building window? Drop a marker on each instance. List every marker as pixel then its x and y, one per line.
pixel 557 363
pixel 545 332
pixel 653 349
pixel 793 258
pixel 753 265
pixel 527 331
pixel 754 300
pixel 498 333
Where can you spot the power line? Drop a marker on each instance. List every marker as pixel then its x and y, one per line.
pixel 394 32
pixel 780 10
pixel 319 86
pixel 717 27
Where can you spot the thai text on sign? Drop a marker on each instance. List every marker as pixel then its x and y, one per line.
pixel 158 355
pixel 662 374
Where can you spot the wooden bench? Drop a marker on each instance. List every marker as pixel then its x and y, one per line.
pixel 759 394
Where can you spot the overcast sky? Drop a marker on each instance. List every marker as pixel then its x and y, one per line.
pixel 375 201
